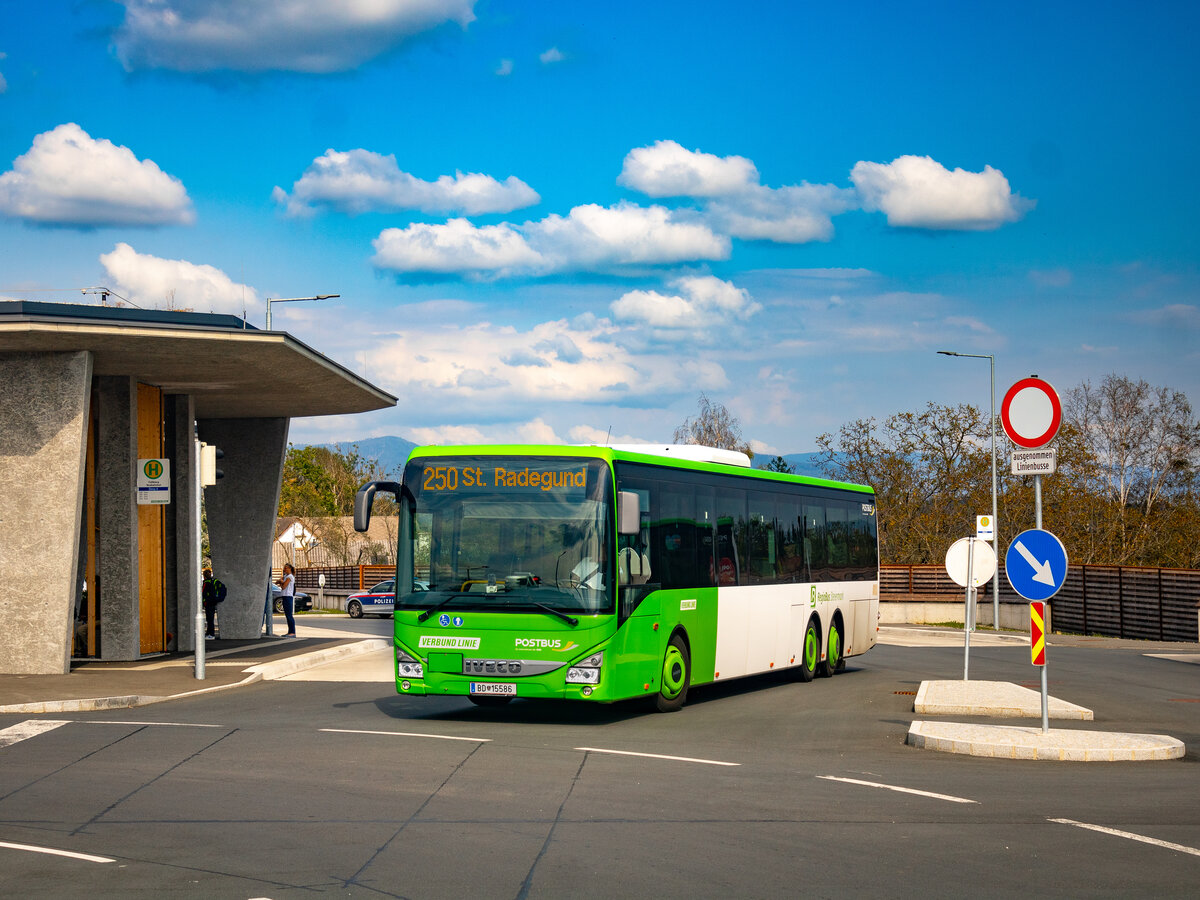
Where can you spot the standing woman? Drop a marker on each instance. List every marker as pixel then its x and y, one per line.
pixel 287 587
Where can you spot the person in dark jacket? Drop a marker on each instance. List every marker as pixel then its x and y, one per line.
pixel 212 593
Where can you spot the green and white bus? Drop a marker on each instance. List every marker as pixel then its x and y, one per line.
pixel 609 573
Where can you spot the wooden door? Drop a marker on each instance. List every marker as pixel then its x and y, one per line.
pixel 151 561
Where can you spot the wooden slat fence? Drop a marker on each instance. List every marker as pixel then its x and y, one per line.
pixel 342 578
pixel 1121 601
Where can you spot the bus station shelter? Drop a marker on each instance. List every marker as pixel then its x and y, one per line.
pixel 95 400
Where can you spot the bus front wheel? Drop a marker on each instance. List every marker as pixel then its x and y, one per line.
pixel 833 656
pixel 676 676
pixel 810 653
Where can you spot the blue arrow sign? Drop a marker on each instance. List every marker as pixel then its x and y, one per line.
pixel 1036 564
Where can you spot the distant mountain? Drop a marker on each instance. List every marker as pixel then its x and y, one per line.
pixel 804 463
pixel 390 452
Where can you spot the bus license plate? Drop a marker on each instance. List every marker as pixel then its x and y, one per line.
pixel 494 688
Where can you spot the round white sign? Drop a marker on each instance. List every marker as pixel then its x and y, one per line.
pixel 958 557
pixel 1031 413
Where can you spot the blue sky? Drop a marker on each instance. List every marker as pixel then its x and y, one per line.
pixel 562 221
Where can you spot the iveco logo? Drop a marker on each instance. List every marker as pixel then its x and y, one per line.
pixel 492 666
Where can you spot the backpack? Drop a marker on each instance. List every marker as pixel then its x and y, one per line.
pixel 214 589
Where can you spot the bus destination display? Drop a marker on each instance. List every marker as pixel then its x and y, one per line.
pixel 495 477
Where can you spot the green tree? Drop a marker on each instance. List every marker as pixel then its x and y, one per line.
pixel 318 488
pixel 712 426
pixel 779 464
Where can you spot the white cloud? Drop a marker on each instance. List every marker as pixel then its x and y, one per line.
pixel 455 247
pixel 505 67
pixel 703 309
pixel 666 169
pixel 288 35
pixel 593 236
pixel 733 199
pixel 149 280
pixel 479 371
pixel 357 181
pixel 590 237
pixel 918 192
pixel 69 178
pixel 552 55
pixel 786 215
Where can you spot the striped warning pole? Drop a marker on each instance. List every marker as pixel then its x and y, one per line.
pixel 1037 648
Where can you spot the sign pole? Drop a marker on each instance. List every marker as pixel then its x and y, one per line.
pixel 967 608
pixel 1037 649
pixel 197 494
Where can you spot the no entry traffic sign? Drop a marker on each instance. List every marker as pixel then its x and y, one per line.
pixel 1031 413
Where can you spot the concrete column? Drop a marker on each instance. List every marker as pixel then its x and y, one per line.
pixel 240 510
pixel 116 507
pixel 43 449
pixel 183 565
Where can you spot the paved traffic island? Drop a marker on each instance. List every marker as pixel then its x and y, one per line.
pixel 1002 699
pixel 1024 742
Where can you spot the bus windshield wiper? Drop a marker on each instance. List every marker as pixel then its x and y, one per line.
pixel 429 612
pixel 570 620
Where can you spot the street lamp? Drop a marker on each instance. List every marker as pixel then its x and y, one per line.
pixel 995 521
pixel 271 300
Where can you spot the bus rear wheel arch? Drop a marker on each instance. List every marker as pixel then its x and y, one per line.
pixel 676 675
pixel 810 650
pixel 835 653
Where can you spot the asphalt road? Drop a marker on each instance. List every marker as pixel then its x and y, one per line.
pixel 331 783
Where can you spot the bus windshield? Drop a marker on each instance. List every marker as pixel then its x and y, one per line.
pixel 516 534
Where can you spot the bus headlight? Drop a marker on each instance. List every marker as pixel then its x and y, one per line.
pixel 586 671
pixel 407 667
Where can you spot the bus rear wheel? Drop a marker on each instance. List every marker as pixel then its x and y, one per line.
pixel 810 653
pixel 676 676
pixel 833 656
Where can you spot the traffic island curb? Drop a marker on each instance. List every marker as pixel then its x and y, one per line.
pixel 1059 744
pixel 1000 699
pixel 254 673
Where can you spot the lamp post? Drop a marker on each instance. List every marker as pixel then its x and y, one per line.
pixel 271 300
pixel 995 522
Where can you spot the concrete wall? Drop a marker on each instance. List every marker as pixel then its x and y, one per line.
pixel 917 610
pixel 240 511
pixel 43 445
pixel 116 517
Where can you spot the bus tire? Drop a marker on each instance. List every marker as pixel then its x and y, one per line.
pixel 810 652
pixel 833 654
pixel 354 608
pixel 676 676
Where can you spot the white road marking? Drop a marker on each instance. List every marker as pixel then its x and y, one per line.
pixel 902 790
pixel 86 857
pixel 1181 848
pixel 707 762
pixel 440 737
pixel 172 724
pixel 22 731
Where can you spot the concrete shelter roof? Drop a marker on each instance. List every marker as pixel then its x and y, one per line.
pixel 234 370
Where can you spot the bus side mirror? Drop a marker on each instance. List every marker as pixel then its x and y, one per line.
pixel 365 497
pixel 629 515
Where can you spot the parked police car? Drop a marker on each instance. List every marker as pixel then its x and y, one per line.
pixel 378 601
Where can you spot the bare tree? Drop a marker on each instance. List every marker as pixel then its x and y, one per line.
pixel 1146 445
pixel 713 426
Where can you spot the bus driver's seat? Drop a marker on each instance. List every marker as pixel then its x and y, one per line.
pixel 634 567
